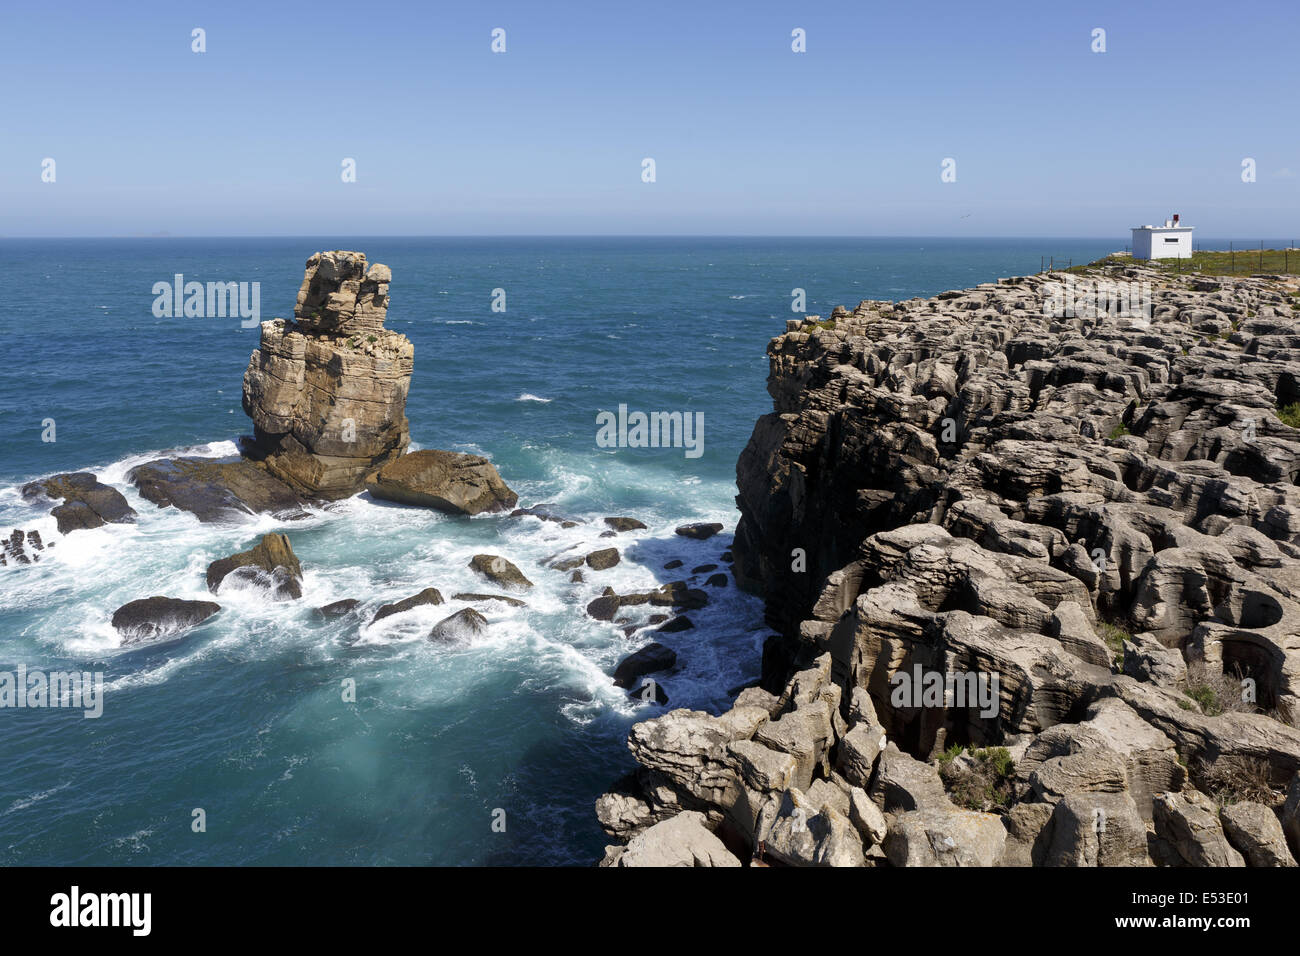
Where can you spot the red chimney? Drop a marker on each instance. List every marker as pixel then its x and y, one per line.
pixel 1175 219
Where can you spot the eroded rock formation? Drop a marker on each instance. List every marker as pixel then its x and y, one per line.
pixel 1099 511
pixel 327 392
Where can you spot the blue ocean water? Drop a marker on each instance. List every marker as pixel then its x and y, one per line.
pixel 245 718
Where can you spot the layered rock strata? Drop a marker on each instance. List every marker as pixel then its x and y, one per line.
pixel 327 392
pixel 1094 514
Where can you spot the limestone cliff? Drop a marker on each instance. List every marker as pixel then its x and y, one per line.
pixel 1097 509
pixel 327 392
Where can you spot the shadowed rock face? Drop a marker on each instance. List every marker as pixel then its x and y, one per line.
pixel 86 502
pixel 327 392
pixel 446 480
pixel 155 618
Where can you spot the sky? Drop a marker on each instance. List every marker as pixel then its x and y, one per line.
pixel 748 137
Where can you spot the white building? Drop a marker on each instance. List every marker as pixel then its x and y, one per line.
pixel 1170 241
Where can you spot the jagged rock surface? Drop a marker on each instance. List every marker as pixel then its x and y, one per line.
pixel 327 392
pixel 1100 511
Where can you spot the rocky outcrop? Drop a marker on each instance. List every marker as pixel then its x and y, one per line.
pixel 1084 526
pixel 86 502
pixel 215 489
pixel 428 597
pixel 446 480
pixel 327 391
pixel 459 628
pixel 270 564
pixel 500 571
pixel 157 618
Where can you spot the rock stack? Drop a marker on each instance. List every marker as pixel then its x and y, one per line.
pixel 1098 511
pixel 327 392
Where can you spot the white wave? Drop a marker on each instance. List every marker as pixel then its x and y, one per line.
pixel 530 397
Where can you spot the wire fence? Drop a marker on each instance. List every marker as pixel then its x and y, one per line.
pixel 1230 257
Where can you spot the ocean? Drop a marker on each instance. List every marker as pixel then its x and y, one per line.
pixel 244 719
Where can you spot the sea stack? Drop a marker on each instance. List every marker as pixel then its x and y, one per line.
pixel 327 392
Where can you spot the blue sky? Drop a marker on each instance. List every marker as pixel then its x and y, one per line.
pixel 749 138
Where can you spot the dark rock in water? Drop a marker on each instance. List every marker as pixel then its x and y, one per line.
pixel 459 627
pixel 150 619
pixel 658 618
pixel 676 625
pixel 446 480
pixel 704 569
pixel 500 571
pixel 513 602
pixel 651 658
pixel 716 581
pixel 577 577
pixel 215 489
pixel 428 596
pixel 15 548
pixel 625 524
pixel 726 556
pixel 273 557
pixel 568 564
pixel 672 565
pixel 338 608
pixel 34 540
pixel 650 692
pixel 542 512
pixel 604 607
pixel 699 530
pixel 603 559
pixel 87 503
pixel 609 534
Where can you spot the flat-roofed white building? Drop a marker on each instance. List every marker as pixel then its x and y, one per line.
pixel 1170 241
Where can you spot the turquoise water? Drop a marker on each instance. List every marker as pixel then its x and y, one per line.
pixel 244 718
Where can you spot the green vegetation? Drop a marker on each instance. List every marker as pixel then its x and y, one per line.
pixel 1290 415
pixel 1209 262
pixel 1114 638
pixel 1119 431
pixel 825 324
pixel 981 783
pixel 1207 697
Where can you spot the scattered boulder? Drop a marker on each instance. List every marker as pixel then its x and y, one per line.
pixel 87 503
pixel 429 597
pixel 338 608
pixel 270 563
pixel 672 565
pixel 945 836
pixel 155 618
pixel 699 530
pixel 459 627
pixel 603 559
pixel 500 571
pixel 1189 824
pixel 625 524
pixel 445 480
pixel 651 658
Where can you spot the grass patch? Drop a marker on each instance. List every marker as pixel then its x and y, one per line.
pixel 1290 415
pixel 1119 431
pixel 1114 638
pixel 982 783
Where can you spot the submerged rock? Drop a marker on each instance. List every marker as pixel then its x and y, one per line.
pixel 459 627
pixel 338 608
pixel 603 559
pixel 87 503
pixel 155 618
pixel 429 596
pixel 270 563
pixel 651 658
pixel 479 598
pixel 444 480
pixel 625 524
